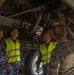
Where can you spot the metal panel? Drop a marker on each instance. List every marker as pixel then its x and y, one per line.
pixel 70 3
pixel 2 2
pixel 8 21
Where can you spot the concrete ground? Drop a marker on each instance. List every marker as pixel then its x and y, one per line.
pixel 21 74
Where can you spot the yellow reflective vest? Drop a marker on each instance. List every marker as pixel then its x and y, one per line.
pixel 12 49
pixel 46 52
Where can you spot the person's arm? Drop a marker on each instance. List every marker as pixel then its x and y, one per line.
pixel 39 60
pixel 4 43
pixel 22 57
pixel 8 66
pixel 54 64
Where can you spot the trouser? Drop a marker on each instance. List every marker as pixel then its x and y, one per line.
pixel 15 69
pixel 44 69
pixel 3 68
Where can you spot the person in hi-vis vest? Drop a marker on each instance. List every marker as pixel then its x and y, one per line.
pixel 13 52
pixel 2 53
pixel 45 51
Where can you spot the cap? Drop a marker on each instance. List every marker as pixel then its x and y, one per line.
pixel 57 23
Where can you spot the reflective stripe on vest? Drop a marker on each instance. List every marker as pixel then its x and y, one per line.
pixel 46 53
pixel 12 49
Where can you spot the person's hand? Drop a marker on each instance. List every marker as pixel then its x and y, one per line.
pixel 8 67
pixel 37 70
pixel 22 64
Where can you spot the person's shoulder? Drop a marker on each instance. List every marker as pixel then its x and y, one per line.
pixel 69 43
pixel 67 47
pixel 6 39
pixel 53 43
pixel 54 53
pixel 18 40
pixel 42 43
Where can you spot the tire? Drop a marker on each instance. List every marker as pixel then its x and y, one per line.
pixel 26 57
pixel 21 68
pixel 31 66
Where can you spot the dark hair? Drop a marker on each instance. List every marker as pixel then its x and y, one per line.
pixel 53 27
pixel 10 30
pixel 44 32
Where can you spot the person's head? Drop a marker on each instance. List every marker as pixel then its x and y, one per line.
pixel 1 32
pixel 47 37
pixel 14 33
pixel 59 32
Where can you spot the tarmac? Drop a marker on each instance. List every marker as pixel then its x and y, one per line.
pixel 21 74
